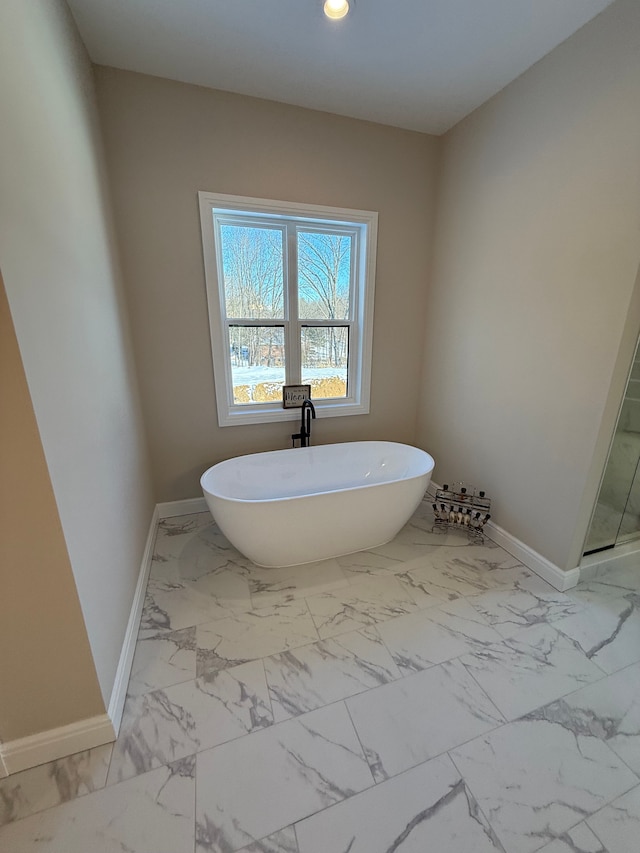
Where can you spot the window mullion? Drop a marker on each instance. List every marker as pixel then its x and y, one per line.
pixel 252 321
pixel 292 331
pixel 320 322
pixel 356 318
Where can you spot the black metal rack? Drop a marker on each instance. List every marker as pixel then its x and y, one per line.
pixel 461 508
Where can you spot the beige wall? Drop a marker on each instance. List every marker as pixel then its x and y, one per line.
pixel 61 276
pixel 46 671
pixel 164 142
pixel 536 254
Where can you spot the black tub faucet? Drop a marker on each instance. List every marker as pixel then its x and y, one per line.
pixel 308 411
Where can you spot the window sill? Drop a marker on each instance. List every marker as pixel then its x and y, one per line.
pixel 276 414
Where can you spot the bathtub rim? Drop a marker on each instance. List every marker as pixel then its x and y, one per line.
pixel 351 488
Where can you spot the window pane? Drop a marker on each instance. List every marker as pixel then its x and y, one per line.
pixel 252 271
pixel 324 271
pixel 257 363
pixel 325 356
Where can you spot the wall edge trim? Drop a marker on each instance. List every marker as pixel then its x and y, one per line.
pixel 183 507
pixel 121 681
pixel 548 571
pixel 26 752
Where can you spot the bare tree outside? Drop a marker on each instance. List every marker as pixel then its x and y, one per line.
pixel 252 261
pixel 324 273
pixel 324 270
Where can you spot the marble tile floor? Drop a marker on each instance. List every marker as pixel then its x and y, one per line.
pixel 429 695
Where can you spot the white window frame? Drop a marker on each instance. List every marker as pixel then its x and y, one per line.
pixel 364 225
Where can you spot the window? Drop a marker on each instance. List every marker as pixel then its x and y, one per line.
pixel 290 296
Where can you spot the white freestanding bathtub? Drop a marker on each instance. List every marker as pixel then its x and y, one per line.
pixel 286 507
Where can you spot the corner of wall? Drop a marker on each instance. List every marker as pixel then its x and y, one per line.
pixel 610 414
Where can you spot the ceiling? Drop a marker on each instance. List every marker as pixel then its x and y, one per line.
pixel 417 64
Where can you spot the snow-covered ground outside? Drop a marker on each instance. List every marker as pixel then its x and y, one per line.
pixel 254 375
pixel 251 384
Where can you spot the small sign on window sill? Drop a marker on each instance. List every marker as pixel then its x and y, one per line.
pixel 293 396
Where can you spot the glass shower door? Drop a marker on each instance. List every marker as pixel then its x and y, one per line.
pixel 616 518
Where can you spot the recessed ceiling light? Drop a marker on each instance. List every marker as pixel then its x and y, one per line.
pixel 336 9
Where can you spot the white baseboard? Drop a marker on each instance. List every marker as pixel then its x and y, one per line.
pixel 119 690
pixel 544 568
pixel 184 507
pixel 50 745
pixel 57 743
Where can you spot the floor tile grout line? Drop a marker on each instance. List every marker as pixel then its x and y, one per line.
pixel 298 717
pixel 477 801
pixel 361 627
pixel 100 790
pixel 364 792
pixel 257 731
pixel 372 787
pixel 506 720
pixel 266 684
pixel 403 677
pixel 377 686
pixel 254 730
pixel 586 822
pixel 313 621
pixel 355 658
pixel 390 654
pixel 390 779
pixel 345 700
pixel 350 630
pixel 353 695
pixel 582 819
pixel 526 713
pixel 235 665
pixel 113 749
pixel 448 749
pixel 483 622
pixel 97 790
pixel 473 793
pixel 523 717
pixel 426 760
pixel 561 699
pixel 324 808
pixel 362 747
pixel 620 758
pixel 481 689
pixel 234 615
pixel 293 648
pixel 579 648
pixel 606 805
pixel 195 801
